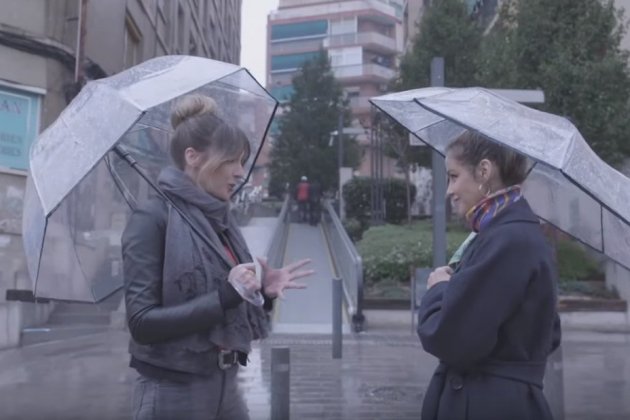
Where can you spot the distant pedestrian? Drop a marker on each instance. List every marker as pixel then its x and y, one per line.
pixel 314 198
pixel 302 196
pixel 492 320
pixel 187 273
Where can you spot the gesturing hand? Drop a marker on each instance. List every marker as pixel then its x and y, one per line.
pixel 276 280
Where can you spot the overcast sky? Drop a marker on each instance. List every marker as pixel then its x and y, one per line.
pixel 254 36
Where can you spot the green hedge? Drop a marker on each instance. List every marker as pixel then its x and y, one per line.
pixel 389 251
pixel 574 263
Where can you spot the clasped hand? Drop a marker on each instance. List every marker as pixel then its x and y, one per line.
pixel 438 275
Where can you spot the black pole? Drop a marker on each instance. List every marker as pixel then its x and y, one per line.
pixel 280 383
pixel 439 182
pixel 337 308
pixel 373 192
pixel 339 156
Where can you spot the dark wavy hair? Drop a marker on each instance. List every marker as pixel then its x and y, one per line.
pixel 470 148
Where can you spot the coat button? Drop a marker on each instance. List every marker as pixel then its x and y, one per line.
pixel 457 382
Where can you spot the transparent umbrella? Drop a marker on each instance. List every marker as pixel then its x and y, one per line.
pixel 568 185
pixel 103 154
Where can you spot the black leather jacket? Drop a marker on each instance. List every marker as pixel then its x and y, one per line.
pixel 161 334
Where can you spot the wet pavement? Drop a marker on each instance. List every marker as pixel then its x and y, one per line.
pixel 382 375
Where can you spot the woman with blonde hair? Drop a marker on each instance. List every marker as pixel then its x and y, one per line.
pixel 187 270
pixel 491 321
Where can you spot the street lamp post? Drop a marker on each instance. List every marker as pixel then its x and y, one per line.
pixel 376 171
pixel 340 157
pixel 338 134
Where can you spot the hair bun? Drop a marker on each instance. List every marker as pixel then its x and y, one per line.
pixel 192 106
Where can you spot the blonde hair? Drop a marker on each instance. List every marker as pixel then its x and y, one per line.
pixel 191 106
pixel 196 124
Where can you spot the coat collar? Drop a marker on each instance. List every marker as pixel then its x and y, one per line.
pixel 517 212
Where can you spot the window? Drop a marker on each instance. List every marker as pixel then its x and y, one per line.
pixel 132 43
pixel 19 125
pixel 345 56
pixel 291 61
pixel 344 26
pixel 309 29
pixel 181 30
pixel 282 93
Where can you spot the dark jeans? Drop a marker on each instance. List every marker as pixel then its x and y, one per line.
pixel 303 211
pixel 315 213
pixel 216 397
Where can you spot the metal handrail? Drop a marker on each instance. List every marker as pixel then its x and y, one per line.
pixel 348 263
pixel 278 242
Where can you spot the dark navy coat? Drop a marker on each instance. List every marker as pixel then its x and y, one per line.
pixel 493 325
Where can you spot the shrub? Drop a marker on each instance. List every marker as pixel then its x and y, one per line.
pixel 573 262
pixel 354 228
pixel 395 194
pixel 357 194
pixel 389 251
pixel 357 198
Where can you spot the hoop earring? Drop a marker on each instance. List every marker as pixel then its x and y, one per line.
pixel 488 192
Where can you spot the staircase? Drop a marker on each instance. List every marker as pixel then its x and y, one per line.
pixel 69 320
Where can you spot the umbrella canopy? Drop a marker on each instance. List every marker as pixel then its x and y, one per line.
pixel 81 188
pixel 568 185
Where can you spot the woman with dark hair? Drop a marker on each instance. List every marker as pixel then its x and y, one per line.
pixel 491 321
pixel 187 270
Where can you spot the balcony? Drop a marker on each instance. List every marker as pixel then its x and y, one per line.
pixel 374 40
pixel 295 46
pixel 299 9
pixel 365 71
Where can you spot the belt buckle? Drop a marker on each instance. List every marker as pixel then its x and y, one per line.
pixel 227 359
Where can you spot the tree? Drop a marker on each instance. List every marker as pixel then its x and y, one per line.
pixel 446 30
pixel 570 49
pixel 307 121
pixel 396 145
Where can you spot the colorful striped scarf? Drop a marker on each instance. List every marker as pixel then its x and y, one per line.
pixel 486 210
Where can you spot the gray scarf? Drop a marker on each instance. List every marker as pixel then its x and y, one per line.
pixel 185 268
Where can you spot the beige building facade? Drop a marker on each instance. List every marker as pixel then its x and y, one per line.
pixel 413 11
pixel 38 77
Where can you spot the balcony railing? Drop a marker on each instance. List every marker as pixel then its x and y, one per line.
pixel 364 70
pixel 295 46
pixel 361 38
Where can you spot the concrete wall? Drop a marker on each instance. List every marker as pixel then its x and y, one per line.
pixel 618 277
pixel 413 14
pixel 23 70
pixel 102 44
